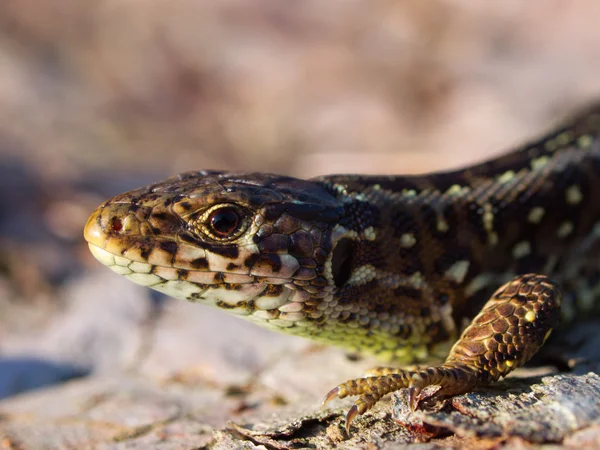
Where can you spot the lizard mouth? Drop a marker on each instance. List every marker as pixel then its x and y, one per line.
pixel 185 272
pixel 241 294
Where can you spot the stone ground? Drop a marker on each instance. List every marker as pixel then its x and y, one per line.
pixel 100 97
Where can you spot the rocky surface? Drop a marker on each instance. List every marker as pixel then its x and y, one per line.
pixel 277 408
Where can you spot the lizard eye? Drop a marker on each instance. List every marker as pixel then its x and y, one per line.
pixel 224 221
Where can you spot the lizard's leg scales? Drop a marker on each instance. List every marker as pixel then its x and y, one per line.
pixel 508 331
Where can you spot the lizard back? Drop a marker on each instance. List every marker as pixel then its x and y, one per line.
pixel 392 265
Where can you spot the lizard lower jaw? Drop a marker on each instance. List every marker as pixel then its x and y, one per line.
pixel 227 291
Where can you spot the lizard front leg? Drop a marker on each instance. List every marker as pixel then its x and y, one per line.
pixel 509 330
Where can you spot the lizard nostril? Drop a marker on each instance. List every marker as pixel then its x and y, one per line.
pixel 116 225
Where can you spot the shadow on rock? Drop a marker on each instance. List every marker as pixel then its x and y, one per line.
pixel 23 374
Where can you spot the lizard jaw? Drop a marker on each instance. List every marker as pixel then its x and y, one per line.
pixel 276 303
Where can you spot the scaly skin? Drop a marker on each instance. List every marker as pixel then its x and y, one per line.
pixel 391 265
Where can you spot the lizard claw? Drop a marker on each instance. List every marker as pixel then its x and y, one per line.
pixel 334 393
pixel 413 397
pixel 362 404
pixel 352 413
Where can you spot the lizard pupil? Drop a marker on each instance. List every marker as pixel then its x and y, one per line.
pixel 224 221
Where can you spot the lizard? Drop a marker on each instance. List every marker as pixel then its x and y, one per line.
pixel 477 264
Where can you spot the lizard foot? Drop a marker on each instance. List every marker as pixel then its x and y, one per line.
pixel 508 331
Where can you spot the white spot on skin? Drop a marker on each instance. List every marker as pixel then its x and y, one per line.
pixel 442 225
pixel 550 145
pixel 488 217
pixel 478 283
pixel 565 229
pixel 362 275
pixel 358 196
pixel 340 188
pixel 521 250
pixel 370 234
pixel 488 223
pixel 407 240
pixel 457 271
pixel 417 280
pixel 457 189
pixel 540 162
pixel 536 214
pixel 585 141
pixel 573 195
pixel 447 320
pixel 563 139
pixel 506 176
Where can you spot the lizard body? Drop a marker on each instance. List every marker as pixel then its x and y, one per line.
pixel 391 265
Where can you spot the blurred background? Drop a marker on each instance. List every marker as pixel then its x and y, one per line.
pixel 100 97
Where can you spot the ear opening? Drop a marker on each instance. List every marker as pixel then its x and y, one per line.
pixel 342 261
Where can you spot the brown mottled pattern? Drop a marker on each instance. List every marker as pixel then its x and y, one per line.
pixel 392 265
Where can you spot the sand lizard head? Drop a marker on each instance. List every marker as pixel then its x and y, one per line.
pixel 258 245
